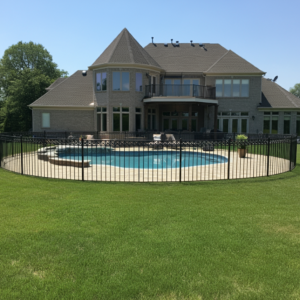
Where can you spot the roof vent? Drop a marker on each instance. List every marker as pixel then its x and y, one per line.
pixel 192 43
pixel 275 78
pixel 166 44
pixel 84 73
pixel 269 79
pixel 153 42
pixel 202 46
pixel 177 43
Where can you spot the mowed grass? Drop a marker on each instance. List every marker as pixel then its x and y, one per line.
pixel 236 239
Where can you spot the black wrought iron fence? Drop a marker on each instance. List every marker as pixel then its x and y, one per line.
pixel 147 161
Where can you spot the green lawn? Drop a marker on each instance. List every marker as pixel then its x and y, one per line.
pixel 236 239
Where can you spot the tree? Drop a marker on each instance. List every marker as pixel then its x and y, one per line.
pixel 26 69
pixel 296 90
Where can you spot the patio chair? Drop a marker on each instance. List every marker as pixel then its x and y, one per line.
pixel 170 138
pixel 89 137
pixel 157 144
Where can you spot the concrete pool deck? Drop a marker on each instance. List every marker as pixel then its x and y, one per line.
pixel 253 165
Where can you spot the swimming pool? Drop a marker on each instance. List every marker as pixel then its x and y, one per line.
pixel 152 159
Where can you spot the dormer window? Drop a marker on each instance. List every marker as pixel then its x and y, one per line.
pixel 101 81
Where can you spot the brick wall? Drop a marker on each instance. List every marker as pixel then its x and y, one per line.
pixel 248 104
pixel 64 120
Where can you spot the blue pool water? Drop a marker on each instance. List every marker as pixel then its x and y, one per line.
pixel 157 159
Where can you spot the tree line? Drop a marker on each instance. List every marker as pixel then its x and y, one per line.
pixel 26 70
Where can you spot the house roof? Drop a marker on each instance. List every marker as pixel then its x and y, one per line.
pixel 125 49
pixel 230 62
pixel 277 97
pixel 55 83
pixel 74 91
pixel 188 58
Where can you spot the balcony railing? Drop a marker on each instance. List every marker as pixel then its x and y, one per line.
pixel 180 90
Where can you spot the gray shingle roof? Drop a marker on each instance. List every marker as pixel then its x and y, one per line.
pixel 188 58
pixel 277 96
pixel 125 49
pixel 76 90
pixel 232 63
pixel 55 83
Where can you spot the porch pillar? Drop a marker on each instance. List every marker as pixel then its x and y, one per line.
pixel 145 116
pixel 190 117
pixel 216 120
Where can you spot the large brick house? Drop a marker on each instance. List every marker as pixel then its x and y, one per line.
pixel 167 86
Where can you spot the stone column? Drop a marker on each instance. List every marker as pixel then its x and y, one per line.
pixel 190 117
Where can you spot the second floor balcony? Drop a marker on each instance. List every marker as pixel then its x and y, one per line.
pixel 180 90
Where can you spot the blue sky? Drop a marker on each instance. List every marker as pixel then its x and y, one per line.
pixel 266 33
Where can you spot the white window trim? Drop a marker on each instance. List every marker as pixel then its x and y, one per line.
pixel 43 120
pixel 121 118
pixel 121 90
pixel 101 90
pixel 231 96
pixel 102 113
pixel 231 117
pixel 136 81
pixel 270 122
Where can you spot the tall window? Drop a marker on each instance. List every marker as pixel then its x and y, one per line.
pixel 101 119
pixel 219 88
pixel 298 124
pixel 172 87
pixel 121 81
pixel 232 88
pixel 120 119
pixel 151 119
pixel 271 122
pixel 101 81
pixel 227 92
pixel 138 82
pixel 233 122
pixel 287 123
pixel 138 118
pixel 191 87
pixel 46 120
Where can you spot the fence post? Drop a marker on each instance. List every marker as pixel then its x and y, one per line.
pixel 268 157
pixel 21 155
pixel 82 160
pixel 12 147
pixel 180 160
pixel 228 163
pixel 291 152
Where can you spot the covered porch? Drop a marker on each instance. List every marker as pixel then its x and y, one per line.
pixel 177 114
